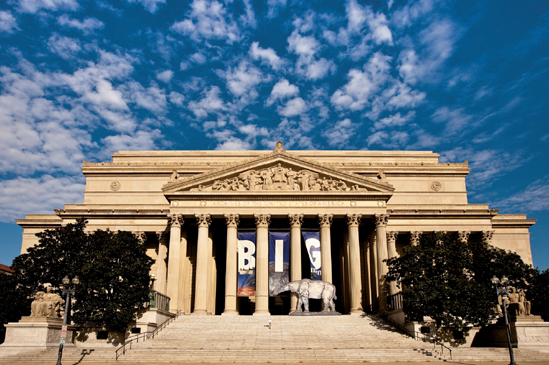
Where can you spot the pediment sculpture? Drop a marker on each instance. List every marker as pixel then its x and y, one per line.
pixel 278 178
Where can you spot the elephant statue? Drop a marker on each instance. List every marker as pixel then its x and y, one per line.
pixel 315 289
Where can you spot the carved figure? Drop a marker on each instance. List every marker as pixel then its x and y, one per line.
pixel 306 289
pixel 279 174
pixel 46 304
pixel 174 176
pixel 291 177
pixel 515 306
pixel 526 303
pixel 36 305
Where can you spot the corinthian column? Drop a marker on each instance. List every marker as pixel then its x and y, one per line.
pixel 464 236
pixel 296 220
pixel 161 262
pixel 381 244
pixel 353 220
pixel 487 236
pixel 414 237
pixel 202 259
pixel 391 245
pixel 174 262
pixel 325 221
pixel 232 221
pixel 262 222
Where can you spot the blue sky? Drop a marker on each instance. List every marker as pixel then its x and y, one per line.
pixel 83 79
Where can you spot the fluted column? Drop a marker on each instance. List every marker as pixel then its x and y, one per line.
pixel 353 220
pixel 232 221
pixel 325 222
pixel 262 222
pixel 161 263
pixel 174 261
pixel 381 245
pixel 296 220
pixel 391 248
pixel 464 236
pixel 414 237
pixel 487 236
pixel 202 259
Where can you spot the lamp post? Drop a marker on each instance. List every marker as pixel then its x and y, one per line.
pixel 68 291
pixel 502 288
pixel 152 301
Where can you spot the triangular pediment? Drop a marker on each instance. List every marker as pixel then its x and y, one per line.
pixel 280 172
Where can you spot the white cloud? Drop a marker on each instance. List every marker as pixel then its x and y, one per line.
pixel 150 5
pixel 8 23
pixel 139 141
pixel 176 98
pixel 151 98
pixel 38 195
pixel 165 76
pixel 395 120
pixel 340 134
pixel 362 85
pixel 248 18
pixel 534 198
pixel 393 140
pixel 242 81
pixel 293 107
pixel 198 58
pixel 406 15
pixel 208 20
pixel 233 144
pixel 210 103
pixel 274 6
pixel 320 69
pixel 105 96
pixel 281 90
pixel 33 6
pixel 253 131
pixel 456 120
pixel 265 55
pixel 63 46
pixel 86 26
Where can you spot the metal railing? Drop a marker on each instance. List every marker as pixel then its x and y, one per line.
pixel 126 346
pixel 395 302
pixel 159 301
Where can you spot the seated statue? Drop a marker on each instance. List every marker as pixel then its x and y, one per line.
pixel 526 303
pixel 515 306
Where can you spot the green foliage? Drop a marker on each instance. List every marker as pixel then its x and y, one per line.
pixel 113 269
pixel 449 280
pixel 539 294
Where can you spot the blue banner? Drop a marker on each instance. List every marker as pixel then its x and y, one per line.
pixel 246 265
pixel 312 244
pixel 279 260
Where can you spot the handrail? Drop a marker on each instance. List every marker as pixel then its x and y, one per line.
pixel 144 336
pixel 415 335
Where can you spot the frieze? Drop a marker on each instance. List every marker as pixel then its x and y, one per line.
pixel 277 203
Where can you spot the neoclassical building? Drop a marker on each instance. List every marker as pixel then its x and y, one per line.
pixel 192 210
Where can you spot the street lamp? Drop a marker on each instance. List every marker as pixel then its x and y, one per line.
pixel 152 301
pixel 502 288
pixel 68 291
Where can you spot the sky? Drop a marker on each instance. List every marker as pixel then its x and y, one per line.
pixel 81 79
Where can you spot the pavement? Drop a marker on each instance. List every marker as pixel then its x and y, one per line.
pixel 293 363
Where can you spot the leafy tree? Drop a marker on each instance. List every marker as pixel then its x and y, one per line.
pixel 539 294
pixel 113 269
pixel 449 280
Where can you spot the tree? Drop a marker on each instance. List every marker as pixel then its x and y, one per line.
pixel 539 294
pixel 449 280
pixel 113 269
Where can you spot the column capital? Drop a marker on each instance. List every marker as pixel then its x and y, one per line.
pixel 414 237
pixel 262 220
pixel 141 236
pixel 353 219
pixel 464 236
pixel 232 220
pixel 296 220
pixel 392 236
pixel 175 220
pixel 381 219
pixel 203 220
pixel 161 235
pixel 487 236
pixel 325 220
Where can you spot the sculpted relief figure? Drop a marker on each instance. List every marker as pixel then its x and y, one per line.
pixel 518 305
pixel 46 304
pixel 278 178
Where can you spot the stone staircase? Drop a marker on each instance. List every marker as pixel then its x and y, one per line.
pixel 248 339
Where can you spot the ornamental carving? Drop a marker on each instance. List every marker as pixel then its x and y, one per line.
pixel 232 220
pixel 325 219
pixel 464 236
pixel 141 236
pixel 279 178
pixel 487 236
pixel 115 185
pixel 436 186
pixel 262 220
pixel 414 237
pixel 392 236
pixel 353 219
pixel 296 220
pixel 381 219
pixel 175 220
pixel 203 220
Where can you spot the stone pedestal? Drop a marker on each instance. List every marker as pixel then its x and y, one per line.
pixel 526 332
pixel 36 333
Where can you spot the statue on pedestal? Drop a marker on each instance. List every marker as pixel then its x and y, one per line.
pixel 46 304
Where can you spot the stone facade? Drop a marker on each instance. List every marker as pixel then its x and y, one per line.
pixel 186 207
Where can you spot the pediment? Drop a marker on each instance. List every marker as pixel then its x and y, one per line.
pixel 278 172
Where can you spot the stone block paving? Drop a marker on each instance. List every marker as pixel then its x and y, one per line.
pixel 289 340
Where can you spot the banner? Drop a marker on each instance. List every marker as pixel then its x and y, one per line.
pixel 279 260
pixel 312 244
pixel 246 264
